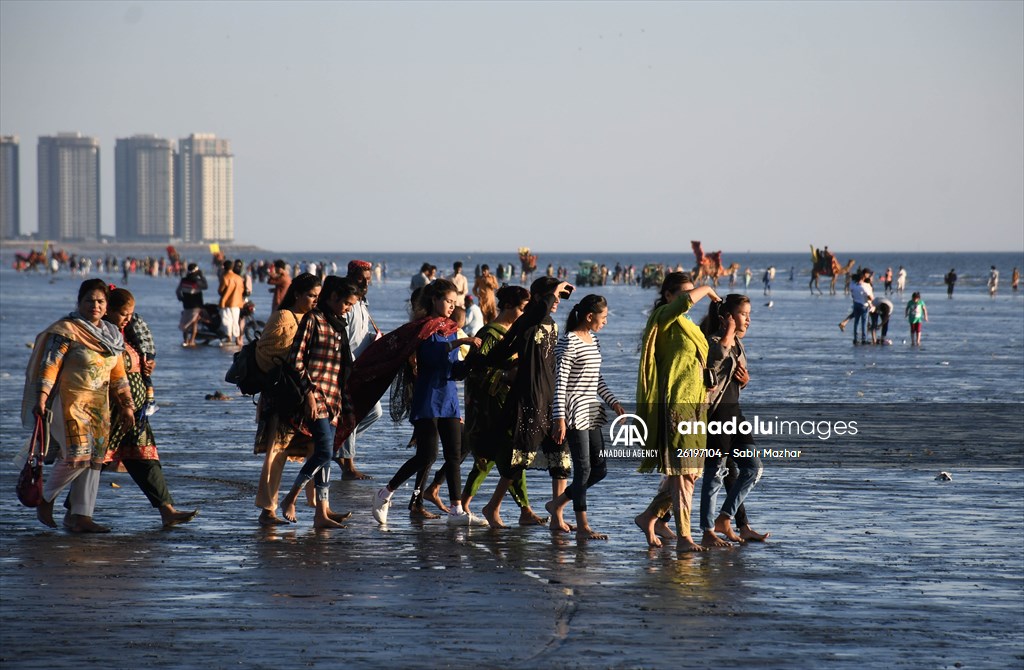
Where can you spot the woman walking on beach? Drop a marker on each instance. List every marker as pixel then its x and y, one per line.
pixel 726 325
pixel 487 391
pixel 670 390
pixel 577 412
pixel 862 294
pixel 320 361
pixel 434 410
pixel 133 445
pixel 527 418
pixel 276 435
pixel 76 369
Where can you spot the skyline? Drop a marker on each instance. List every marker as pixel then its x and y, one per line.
pixel 896 126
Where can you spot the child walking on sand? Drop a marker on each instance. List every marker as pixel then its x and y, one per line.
pixel 916 312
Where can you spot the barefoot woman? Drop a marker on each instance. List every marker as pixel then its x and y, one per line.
pixel 321 360
pixel 75 370
pixel 670 389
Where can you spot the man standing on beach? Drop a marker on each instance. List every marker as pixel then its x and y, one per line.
pixel 232 291
pixel 460 281
pixel 361 332
pixel 279 278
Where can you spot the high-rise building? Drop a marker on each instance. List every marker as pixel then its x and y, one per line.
pixel 204 203
pixel 10 203
pixel 69 187
pixel 144 188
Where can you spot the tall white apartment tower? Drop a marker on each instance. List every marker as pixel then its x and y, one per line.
pixel 10 203
pixel 69 187
pixel 204 189
pixel 144 188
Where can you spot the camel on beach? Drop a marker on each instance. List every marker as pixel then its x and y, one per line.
pixel 834 272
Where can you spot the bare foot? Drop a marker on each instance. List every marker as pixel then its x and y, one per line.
pixel 711 540
pixel 348 474
pixel 325 523
pixel 557 522
pixel 269 518
pixel 646 524
pixel 419 511
pixel 663 530
pixel 724 527
pixel 76 523
pixel 527 517
pixel 45 514
pixel 430 495
pixel 589 534
pixel 172 517
pixel 339 516
pixel 750 535
pixel 288 512
pixel 493 516
pixel 842 326
pixel 686 544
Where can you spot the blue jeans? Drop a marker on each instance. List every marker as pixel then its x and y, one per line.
pixel 860 316
pixel 715 470
pixel 318 465
pixel 348 447
pixel 588 466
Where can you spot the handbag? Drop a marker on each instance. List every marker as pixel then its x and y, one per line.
pixel 30 482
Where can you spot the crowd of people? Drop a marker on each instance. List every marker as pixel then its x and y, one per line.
pixel 534 397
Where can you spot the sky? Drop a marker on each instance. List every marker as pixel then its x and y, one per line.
pixel 576 126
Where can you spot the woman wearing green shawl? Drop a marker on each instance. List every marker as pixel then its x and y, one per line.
pixel 670 389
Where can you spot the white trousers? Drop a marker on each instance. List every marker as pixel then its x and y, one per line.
pixel 85 486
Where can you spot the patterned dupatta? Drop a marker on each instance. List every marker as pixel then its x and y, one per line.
pixel 375 369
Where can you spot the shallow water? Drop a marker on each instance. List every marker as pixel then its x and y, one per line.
pixel 873 564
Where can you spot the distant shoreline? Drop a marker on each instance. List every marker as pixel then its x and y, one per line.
pixel 232 249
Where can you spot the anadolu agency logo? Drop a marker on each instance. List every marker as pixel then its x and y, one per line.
pixel 628 430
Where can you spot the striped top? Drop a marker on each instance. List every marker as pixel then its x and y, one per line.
pixel 578 383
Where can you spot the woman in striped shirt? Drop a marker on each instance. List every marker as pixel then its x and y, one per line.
pixel 577 410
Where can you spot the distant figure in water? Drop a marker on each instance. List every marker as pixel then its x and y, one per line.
pixel 879 321
pixel 901 280
pixel 916 312
pixel 950 280
pixel 1015 280
pixel 993 280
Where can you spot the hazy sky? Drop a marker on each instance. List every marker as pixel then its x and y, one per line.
pixel 575 126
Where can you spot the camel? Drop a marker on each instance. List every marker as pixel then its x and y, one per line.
pixel 710 273
pixel 709 266
pixel 834 272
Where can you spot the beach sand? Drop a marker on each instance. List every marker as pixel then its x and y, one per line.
pixel 840 585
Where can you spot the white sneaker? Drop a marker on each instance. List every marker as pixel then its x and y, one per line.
pixel 458 519
pixel 477 520
pixel 381 503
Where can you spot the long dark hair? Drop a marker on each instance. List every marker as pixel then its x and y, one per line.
pixel 301 284
pixel 511 296
pixel 672 283
pixel 712 323
pixel 424 303
pixel 342 286
pixel 591 304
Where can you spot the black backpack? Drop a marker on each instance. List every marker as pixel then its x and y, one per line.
pixel 244 372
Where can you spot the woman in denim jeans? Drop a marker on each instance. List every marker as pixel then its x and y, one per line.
pixel 577 410
pixel 321 360
pixel 726 324
pixel 862 295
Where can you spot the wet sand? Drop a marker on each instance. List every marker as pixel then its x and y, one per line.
pixel 866 568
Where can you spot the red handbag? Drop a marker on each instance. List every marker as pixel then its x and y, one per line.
pixel 30 482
